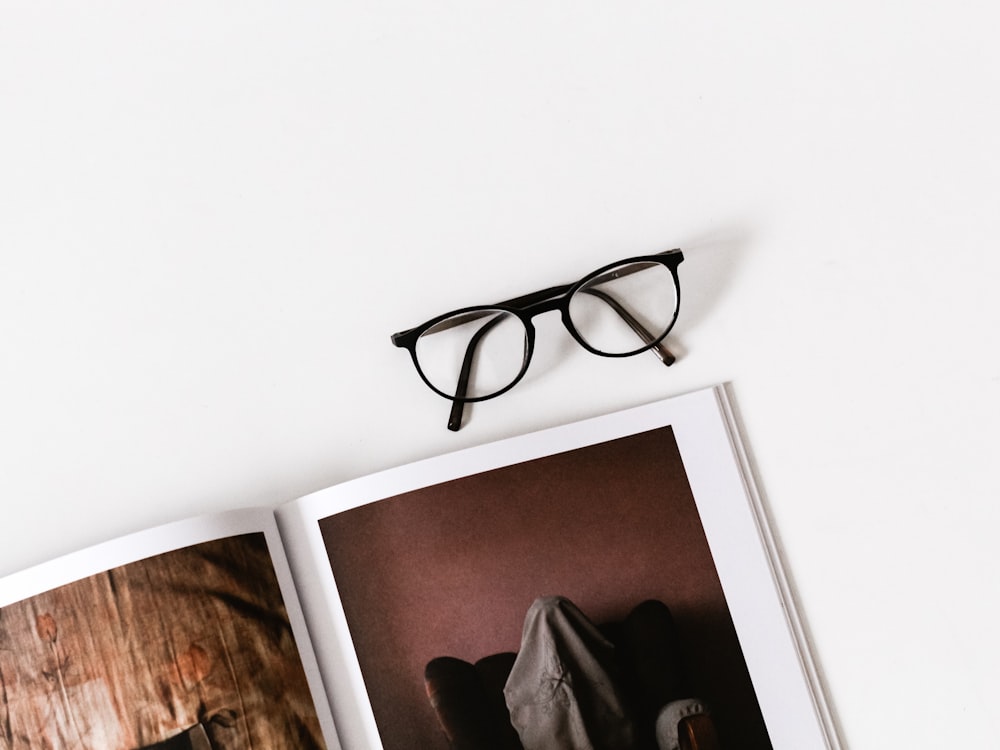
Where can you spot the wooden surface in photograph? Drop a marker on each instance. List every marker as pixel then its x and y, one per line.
pixel 146 651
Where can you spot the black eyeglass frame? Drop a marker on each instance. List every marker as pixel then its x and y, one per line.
pixel 526 307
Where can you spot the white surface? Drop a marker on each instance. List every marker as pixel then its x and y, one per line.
pixel 212 217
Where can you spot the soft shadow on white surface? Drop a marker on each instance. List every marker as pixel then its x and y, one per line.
pixel 712 264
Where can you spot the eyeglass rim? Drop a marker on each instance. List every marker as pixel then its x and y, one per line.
pixel 671 259
pixel 552 298
pixel 529 333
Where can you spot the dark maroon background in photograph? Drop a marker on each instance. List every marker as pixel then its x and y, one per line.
pixel 450 570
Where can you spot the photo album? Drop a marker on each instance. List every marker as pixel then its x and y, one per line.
pixel 614 579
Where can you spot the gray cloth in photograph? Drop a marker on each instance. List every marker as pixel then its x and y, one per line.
pixel 562 691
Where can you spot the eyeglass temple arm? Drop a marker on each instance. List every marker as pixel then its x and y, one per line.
pixel 458 404
pixel 660 350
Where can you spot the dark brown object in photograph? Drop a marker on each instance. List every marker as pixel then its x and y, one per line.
pixel 469 702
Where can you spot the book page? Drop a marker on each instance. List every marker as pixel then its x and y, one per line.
pixel 183 636
pixel 443 558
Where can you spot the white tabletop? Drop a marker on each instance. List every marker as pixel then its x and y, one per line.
pixel 213 216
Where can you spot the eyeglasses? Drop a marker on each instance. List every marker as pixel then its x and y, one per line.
pixel 477 353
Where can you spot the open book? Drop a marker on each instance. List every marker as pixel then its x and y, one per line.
pixel 310 626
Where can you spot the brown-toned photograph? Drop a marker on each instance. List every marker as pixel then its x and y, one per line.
pixel 187 650
pixel 568 599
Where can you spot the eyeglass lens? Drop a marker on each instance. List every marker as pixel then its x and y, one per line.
pixel 624 309
pixel 484 350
